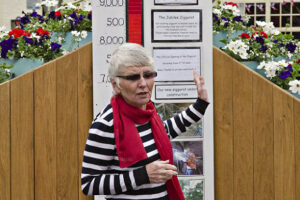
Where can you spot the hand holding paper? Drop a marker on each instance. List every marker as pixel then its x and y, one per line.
pixel 199 81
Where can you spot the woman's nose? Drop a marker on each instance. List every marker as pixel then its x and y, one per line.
pixel 142 82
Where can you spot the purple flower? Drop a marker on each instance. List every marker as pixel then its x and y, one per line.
pixel 216 18
pixel 81 17
pixel 28 40
pixel 275 41
pixel 238 19
pixel 291 47
pixel 34 14
pixel 286 73
pixel 25 20
pixel 72 25
pixel 51 15
pixel 224 19
pixel 263 48
pixel 90 16
pixel 260 40
pixel 73 15
pixel 55 46
pixel 7 45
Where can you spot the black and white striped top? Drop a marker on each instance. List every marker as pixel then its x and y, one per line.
pixel 101 174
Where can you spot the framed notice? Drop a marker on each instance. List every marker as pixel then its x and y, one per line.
pixel 176 25
pixel 176 63
pixel 171 92
pixel 175 2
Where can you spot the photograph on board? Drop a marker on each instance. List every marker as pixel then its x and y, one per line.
pixel 193 189
pixel 188 157
pixel 168 110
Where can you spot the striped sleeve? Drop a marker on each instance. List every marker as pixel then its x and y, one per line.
pixel 180 122
pixel 100 174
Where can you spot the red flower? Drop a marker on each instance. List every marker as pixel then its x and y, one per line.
pixel 42 32
pixel 298 61
pixel 264 34
pixel 57 14
pixel 244 35
pixel 232 4
pixel 18 33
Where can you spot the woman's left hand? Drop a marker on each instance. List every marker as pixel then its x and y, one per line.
pixel 199 81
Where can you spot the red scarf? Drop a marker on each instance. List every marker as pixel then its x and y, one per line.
pixel 129 145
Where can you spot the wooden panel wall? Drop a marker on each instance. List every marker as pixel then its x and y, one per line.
pixel 223 126
pixel 5 141
pixel 41 139
pixel 85 105
pixel 22 137
pixel 45 131
pixel 257 128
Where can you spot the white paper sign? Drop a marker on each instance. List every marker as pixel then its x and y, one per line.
pixel 171 26
pixel 182 2
pixel 166 92
pixel 176 64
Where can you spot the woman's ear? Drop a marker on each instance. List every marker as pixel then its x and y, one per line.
pixel 115 86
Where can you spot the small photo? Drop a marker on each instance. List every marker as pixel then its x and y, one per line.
pixel 193 189
pixel 188 157
pixel 168 110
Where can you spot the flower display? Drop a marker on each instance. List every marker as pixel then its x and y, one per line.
pixel 20 43
pixel 227 17
pixel 264 43
pixel 64 19
pixel 285 74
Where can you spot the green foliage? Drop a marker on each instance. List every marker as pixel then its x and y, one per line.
pixel 5 74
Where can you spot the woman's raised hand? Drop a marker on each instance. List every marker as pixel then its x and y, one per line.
pixel 160 171
pixel 201 90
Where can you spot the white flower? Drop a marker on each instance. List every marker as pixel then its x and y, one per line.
pixel 75 33
pixel 238 47
pixel 77 39
pixel 49 3
pixel 261 23
pixel 295 86
pixel 2 28
pixel 70 6
pixel 83 34
pixel 87 6
pixel 217 12
pixel 261 65
pixel 60 39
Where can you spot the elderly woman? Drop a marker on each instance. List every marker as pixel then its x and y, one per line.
pixel 128 154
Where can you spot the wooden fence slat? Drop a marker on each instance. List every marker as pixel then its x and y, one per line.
pixel 66 141
pixel 45 132
pixel 263 130
pixel 223 126
pixel 22 146
pixel 297 146
pixel 284 155
pixel 243 133
pixel 85 104
pixel 5 141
